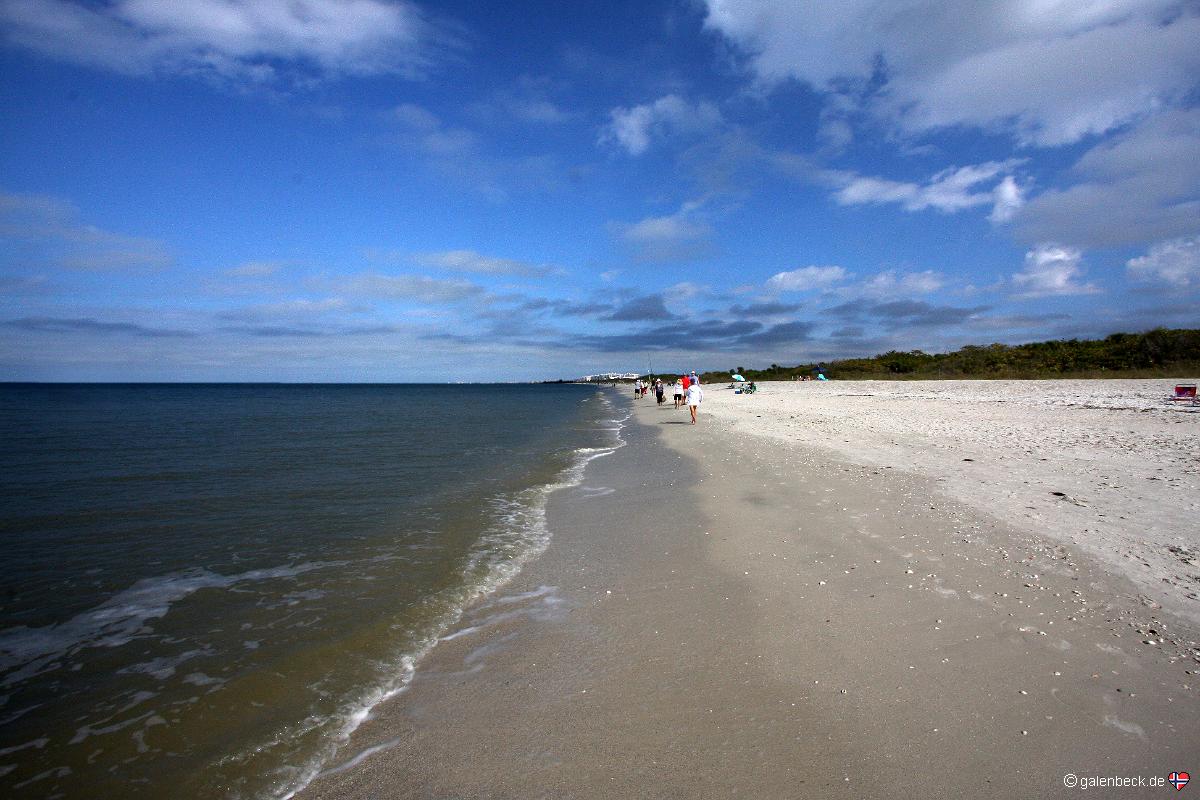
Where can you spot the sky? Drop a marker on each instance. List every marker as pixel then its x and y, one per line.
pixel 386 190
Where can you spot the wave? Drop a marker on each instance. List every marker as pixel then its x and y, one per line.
pixel 121 618
pixel 518 535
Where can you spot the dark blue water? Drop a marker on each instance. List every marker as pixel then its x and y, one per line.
pixel 204 587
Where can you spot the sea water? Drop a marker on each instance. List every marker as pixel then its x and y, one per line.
pixel 204 589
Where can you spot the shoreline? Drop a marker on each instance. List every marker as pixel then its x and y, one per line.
pixel 501 555
pixel 720 614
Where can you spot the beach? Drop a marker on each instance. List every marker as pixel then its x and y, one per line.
pixel 1104 465
pixel 831 590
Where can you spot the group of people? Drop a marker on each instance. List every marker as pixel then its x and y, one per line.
pixel 686 389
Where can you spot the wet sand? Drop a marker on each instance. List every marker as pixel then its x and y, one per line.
pixel 744 615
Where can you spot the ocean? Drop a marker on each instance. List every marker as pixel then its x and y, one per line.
pixel 205 588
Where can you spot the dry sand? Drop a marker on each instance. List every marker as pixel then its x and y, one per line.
pixel 1102 464
pixel 750 615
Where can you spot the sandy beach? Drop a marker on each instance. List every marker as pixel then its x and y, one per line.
pixel 813 593
pixel 1106 466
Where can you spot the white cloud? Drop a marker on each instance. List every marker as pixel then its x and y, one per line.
pixel 416 119
pixel 682 292
pixel 889 284
pixel 248 41
pixel 675 237
pixel 860 190
pixel 526 100
pixel 532 109
pixel 1049 73
pixel 953 189
pixel 424 131
pixel 634 128
pixel 470 261
pixel 1141 186
pixel 304 306
pixel 1050 271
pixel 1175 262
pixel 463 156
pixel 1007 198
pixel 64 240
pixel 950 190
pixel 254 269
pixel 1059 90
pixel 295 309
pixel 835 131
pixel 420 288
pixel 673 227
pixel 806 279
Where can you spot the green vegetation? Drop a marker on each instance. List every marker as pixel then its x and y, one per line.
pixel 1160 353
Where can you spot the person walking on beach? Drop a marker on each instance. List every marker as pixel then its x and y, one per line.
pixel 659 391
pixel 695 396
pixel 678 392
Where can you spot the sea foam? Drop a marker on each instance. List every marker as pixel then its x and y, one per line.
pixel 116 621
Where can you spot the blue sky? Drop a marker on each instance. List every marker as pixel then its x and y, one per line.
pixel 379 190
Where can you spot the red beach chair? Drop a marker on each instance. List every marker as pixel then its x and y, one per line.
pixel 1184 393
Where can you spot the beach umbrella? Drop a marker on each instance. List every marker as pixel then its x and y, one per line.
pixel 737 377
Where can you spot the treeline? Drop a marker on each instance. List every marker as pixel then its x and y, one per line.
pixel 1158 353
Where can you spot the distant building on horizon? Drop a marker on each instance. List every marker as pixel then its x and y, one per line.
pixel 606 377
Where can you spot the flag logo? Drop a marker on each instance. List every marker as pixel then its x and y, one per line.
pixel 1178 780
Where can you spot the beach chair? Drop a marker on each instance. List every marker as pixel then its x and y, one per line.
pixel 1184 393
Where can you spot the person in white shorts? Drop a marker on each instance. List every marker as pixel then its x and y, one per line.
pixel 695 396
